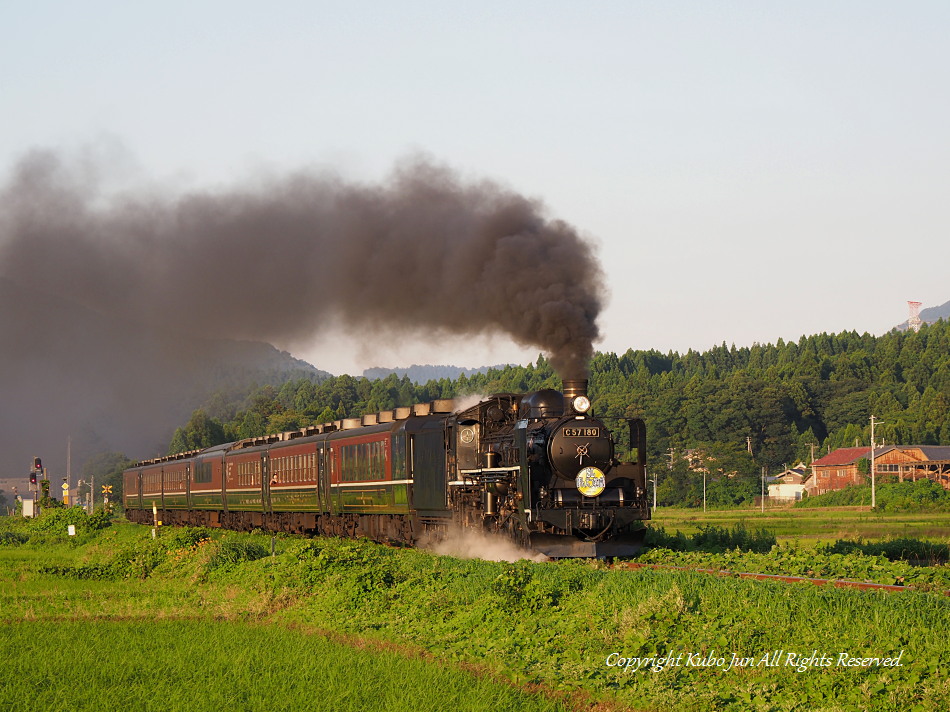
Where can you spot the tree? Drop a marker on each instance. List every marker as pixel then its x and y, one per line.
pixel 252 426
pixel 200 432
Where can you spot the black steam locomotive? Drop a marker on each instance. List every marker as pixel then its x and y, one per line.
pixel 535 467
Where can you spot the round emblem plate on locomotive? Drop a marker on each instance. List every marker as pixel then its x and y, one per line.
pixel 590 481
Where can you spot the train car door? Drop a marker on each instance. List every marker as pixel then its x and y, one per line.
pixel 224 483
pixel 427 469
pixel 323 492
pixel 265 483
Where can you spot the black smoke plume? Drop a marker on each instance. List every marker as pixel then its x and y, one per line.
pixel 423 252
pixel 282 259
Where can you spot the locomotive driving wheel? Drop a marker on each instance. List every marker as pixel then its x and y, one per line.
pixel 514 529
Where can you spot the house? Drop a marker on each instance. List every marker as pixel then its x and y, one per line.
pixel 787 487
pixel 840 468
pixel 911 462
pixel 794 475
pixel 837 470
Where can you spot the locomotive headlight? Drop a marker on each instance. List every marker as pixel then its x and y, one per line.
pixel 581 404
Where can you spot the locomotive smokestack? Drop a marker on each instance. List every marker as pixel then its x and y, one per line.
pixel 574 388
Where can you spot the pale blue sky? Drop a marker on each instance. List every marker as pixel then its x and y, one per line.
pixel 749 170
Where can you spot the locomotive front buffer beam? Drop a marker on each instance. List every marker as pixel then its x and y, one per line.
pixel 558 546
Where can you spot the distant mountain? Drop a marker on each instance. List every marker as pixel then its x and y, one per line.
pixel 930 315
pixel 424 374
pixel 66 371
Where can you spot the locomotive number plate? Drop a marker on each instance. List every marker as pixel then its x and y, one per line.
pixel 581 432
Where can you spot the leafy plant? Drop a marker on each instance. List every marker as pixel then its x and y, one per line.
pixel 13 538
pixel 711 538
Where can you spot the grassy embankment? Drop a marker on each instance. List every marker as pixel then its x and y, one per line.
pixel 551 624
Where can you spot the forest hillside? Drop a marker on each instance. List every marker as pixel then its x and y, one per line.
pixel 735 410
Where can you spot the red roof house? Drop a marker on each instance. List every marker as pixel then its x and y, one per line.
pixel 839 468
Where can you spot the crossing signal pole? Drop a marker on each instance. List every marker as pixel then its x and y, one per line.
pixel 36 473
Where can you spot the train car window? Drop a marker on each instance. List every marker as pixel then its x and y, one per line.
pixel 363 461
pixel 202 472
pixel 398 456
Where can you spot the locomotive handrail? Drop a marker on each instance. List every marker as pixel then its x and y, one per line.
pixel 485 474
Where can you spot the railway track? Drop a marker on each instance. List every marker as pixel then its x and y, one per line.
pixel 836 583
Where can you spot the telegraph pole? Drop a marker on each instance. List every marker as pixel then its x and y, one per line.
pixel 873 492
pixel 69 459
pixel 704 488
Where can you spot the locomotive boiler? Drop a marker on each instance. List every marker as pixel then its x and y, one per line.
pixel 537 468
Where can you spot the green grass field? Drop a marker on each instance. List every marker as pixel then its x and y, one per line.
pixel 812 525
pixel 187 604
pixel 195 665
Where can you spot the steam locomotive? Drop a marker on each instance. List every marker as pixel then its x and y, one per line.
pixel 536 467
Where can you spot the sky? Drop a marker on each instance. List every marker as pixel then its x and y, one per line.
pixel 746 171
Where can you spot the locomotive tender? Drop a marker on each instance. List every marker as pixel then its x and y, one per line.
pixel 535 467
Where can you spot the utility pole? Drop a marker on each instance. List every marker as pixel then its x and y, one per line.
pixel 873 492
pixel 654 493
pixel 704 489
pixel 762 498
